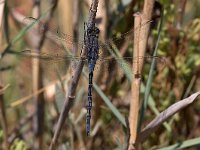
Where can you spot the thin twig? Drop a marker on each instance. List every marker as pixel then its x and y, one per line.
pixel 75 78
pixel 4 89
pixel 190 85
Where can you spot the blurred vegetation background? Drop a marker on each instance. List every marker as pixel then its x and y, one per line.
pixel 177 79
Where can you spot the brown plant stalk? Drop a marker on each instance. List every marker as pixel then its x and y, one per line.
pixel 140 44
pixel 38 119
pixel 134 104
pixel 37 73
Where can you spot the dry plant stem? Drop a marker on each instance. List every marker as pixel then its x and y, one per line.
pixel 37 84
pixel 75 78
pixel 140 44
pixel 166 114
pixel 146 16
pixel 135 89
pixel 38 78
pixel 2 90
pixel 76 8
pixel 3 122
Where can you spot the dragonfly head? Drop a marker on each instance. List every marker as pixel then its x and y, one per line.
pixel 93 31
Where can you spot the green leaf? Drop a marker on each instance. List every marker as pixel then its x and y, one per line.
pixel 19 145
pixel 182 145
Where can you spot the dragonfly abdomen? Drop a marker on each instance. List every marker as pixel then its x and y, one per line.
pixel 89 105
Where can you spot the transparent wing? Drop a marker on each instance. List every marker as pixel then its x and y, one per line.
pixel 55 33
pixel 52 64
pixel 124 64
pixel 63 56
pixel 59 54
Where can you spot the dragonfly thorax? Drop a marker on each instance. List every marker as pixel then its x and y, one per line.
pixel 91 39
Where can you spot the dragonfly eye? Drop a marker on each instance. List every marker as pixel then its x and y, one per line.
pixel 97 31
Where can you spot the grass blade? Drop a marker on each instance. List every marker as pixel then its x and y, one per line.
pixel 150 78
pixel 166 114
pixel 182 145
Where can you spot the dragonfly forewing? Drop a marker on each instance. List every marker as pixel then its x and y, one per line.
pixel 55 33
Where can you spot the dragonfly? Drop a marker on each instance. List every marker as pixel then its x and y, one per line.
pixel 95 52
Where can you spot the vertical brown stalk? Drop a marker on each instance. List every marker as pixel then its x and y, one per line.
pixel 3 121
pixel 140 44
pixel 134 104
pixel 146 16
pixel 37 84
pixel 76 8
pixel 37 73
